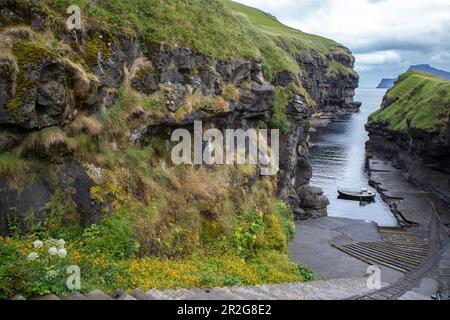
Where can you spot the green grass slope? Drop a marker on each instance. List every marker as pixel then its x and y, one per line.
pixel 269 32
pixel 271 26
pixel 219 28
pixel 418 100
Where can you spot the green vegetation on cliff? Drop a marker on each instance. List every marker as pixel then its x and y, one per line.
pixel 418 100
pixel 220 28
pixel 159 225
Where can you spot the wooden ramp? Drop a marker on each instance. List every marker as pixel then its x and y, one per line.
pixel 399 250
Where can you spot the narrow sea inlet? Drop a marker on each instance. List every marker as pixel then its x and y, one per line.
pixel 338 158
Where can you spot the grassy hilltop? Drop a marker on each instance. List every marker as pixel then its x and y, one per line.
pixel 222 29
pixel 418 100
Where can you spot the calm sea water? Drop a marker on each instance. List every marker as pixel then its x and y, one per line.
pixel 338 158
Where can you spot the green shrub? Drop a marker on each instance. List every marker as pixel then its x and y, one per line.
pixel 285 217
pixel 246 232
pixel 306 273
pixel 12 271
pixel 42 275
pixel 279 119
pixel 113 236
pixel 59 222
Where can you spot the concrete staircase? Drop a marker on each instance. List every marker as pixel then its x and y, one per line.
pixel 334 289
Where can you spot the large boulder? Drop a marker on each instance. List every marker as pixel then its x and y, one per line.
pixel 175 94
pixel 315 202
pixel 50 104
pixel 27 203
pixel 8 79
pixel 259 98
pixel 235 72
pixel 315 213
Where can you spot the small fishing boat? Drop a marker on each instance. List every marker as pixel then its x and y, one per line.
pixel 363 195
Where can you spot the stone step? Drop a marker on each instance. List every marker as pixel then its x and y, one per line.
pixel 138 294
pixel 97 295
pixel 122 295
pixel 47 297
pixel 332 289
pixel 156 294
pixel 74 296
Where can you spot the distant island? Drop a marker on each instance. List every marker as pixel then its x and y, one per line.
pixel 388 83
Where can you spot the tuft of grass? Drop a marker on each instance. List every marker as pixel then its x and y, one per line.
pixel 86 147
pixel 47 141
pixel 418 100
pixel 279 119
pixel 230 92
pixel 11 164
pixel 88 125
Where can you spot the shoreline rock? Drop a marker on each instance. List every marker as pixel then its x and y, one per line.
pixel 425 157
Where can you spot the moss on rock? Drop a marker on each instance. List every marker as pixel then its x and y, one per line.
pixel 92 49
pixel 29 56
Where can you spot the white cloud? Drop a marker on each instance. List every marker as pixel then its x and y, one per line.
pixel 368 61
pixel 380 32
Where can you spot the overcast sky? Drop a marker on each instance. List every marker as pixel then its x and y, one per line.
pixel 386 36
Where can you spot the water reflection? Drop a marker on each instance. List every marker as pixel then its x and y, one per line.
pixel 338 156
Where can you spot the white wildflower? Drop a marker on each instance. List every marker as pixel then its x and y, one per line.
pixel 38 244
pixel 52 251
pixel 51 274
pixel 60 243
pixel 33 256
pixel 62 253
pixel 51 243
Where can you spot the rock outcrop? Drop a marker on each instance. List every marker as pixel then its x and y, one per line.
pixel 332 91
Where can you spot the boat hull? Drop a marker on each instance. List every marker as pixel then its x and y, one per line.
pixel 355 196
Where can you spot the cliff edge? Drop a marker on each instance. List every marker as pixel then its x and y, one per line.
pixel 412 129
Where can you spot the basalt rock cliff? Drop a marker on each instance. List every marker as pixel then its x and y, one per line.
pixel 412 130
pixel 79 109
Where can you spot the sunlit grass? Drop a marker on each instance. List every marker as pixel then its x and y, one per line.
pixel 418 100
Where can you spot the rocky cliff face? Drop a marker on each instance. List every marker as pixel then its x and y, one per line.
pixel 49 96
pixel 333 92
pixel 424 156
pixel 421 148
